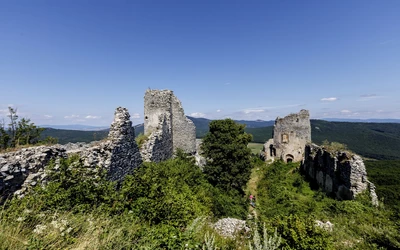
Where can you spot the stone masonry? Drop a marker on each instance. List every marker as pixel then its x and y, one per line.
pixel 164 118
pixel 290 136
pixel 119 155
pixel 340 173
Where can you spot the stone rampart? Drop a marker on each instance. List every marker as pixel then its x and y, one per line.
pixel 119 155
pixel 341 174
pixel 158 147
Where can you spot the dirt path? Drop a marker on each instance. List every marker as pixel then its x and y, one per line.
pixel 256 175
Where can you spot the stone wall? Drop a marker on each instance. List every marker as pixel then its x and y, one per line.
pixel 158 146
pixel 119 155
pixel 290 136
pixel 341 174
pixel 25 167
pixel 183 129
pixel 160 105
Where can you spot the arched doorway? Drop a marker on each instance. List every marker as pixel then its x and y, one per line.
pixel 289 158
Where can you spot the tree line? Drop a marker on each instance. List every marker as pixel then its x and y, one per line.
pixel 19 132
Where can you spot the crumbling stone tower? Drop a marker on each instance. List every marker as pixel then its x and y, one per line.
pixel 163 107
pixel 291 134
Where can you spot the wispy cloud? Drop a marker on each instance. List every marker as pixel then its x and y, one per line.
pixel 198 115
pixel 71 116
pixel 368 97
pixel 48 116
pixel 345 111
pixel 218 110
pixel 135 116
pixel 92 117
pixel 248 111
pixel 329 99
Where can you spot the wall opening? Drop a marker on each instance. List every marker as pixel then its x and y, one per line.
pixel 285 138
pixel 289 158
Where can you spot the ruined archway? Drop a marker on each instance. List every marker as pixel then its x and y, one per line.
pixel 289 158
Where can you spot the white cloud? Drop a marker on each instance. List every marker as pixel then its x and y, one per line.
pixel 345 111
pixel 329 99
pixel 92 117
pixel 71 116
pixel 248 111
pixel 218 110
pixel 135 116
pixel 48 116
pixel 368 97
pixel 198 115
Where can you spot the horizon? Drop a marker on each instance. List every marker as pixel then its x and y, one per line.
pixel 72 62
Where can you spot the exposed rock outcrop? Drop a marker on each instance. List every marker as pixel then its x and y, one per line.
pixel 230 227
pixel 338 173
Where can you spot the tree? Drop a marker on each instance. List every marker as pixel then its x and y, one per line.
pixel 22 132
pixel 27 132
pixel 12 126
pixel 228 157
pixel 4 137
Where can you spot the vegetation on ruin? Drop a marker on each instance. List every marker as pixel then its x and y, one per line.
pixel 171 204
pixel 141 139
pixel 285 201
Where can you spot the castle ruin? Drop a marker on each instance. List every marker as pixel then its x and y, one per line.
pixel 165 124
pixel 341 174
pixel 290 136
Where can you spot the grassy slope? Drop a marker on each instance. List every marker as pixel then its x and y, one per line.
pixel 285 201
pixel 255 147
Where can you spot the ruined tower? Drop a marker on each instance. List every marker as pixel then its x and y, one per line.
pixel 291 134
pixel 163 111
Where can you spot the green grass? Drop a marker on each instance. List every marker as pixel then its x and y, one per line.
pixel 286 201
pixel 255 147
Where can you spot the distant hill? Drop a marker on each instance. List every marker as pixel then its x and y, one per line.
pixel 362 120
pixel 202 125
pixel 64 136
pixel 76 127
pixel 371 140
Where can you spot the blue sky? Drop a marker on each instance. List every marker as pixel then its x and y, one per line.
pixel 74 62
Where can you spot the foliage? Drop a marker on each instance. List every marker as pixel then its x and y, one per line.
pixel 141 139
pixel 172 192
pixel 287 202
pixel 225 146
pixel 20 132
pixel 268 243
pixel 334 146
pixel 161 206
pixel 65 136
pixel 386 176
